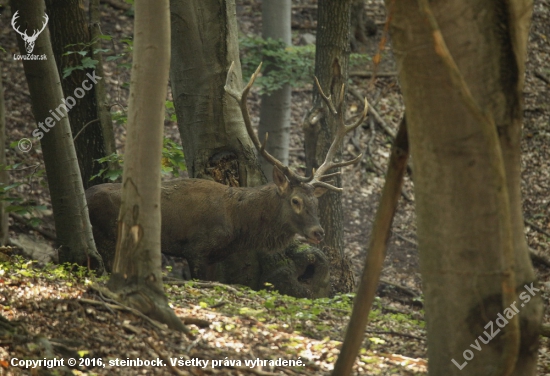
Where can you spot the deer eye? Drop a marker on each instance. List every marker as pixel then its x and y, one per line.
pixel 295 202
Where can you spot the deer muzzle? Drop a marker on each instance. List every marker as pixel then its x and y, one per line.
pixel 316 234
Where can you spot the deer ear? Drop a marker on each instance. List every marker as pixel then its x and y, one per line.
pixel 319 191
pixel 280 180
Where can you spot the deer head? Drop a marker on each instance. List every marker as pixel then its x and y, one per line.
pixel 29 40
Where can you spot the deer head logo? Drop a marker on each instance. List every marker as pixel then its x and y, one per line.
pixel 29 39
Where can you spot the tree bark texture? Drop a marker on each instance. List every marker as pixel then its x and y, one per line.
pixel 331 68
pixel 461 234
pixel 275 107
pixel 103 106
pixel 137 272
pixel 72 224
pixel 4 177
pixel 69 26
pixel 204 43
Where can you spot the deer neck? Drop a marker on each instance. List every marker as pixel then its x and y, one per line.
pixel 259 210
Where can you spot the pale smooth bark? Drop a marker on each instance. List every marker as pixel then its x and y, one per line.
pixel 72 224
pixel 137 272
pixel 462 231
pixel 275 107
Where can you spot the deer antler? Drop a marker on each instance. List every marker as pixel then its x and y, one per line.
pixel 336 111
pixel 320 173
pixel 16 16
pixel 241 98
pixel 29 39
pixel 36 32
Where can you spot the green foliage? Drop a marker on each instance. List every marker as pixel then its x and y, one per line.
pixel 106 173
pixel 19 267
pixel 18 205
pixel 282 64
pixel 86 62
pixel 170 111
pixel 173 162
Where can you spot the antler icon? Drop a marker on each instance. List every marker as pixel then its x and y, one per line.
pixel 29 40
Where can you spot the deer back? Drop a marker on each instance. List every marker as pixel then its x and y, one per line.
pixel 205 220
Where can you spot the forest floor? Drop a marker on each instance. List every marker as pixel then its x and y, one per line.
pixel 56 314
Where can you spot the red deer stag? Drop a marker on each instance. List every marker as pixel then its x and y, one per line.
pixel 204 221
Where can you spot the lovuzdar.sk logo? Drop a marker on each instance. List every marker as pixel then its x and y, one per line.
pixel 29 39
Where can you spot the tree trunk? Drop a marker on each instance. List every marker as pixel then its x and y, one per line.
pixel 72 224
pixel 137 272
pixel 69 26
pixel 4 177
pixel 462 232
pixel 210 123
pixel 275 107
pixel 103 107
pixel 331 68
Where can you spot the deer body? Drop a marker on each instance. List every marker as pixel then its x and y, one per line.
pixel 204 221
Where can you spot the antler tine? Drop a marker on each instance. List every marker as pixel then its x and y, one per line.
pixel 327 100
pixel 241 98
pixel 43 26
pixel 341 131
pixel 16 28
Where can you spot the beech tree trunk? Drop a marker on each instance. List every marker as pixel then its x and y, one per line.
pixel 137 275
pixel 72 224
pixel 462 227
pixel 205 42
pixel 69 26
pixel 275 107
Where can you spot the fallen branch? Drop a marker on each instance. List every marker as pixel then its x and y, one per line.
pixel 539 229
pixel 50 235
pixel 374 113
pixel 395 334
pixel 542 76
pixel 538 257
pixel 202 285
pixel 412 242
pixel 117 4
pixel 404 289
pixel 367 74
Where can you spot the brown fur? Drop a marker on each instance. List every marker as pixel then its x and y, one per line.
pixel 204 221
